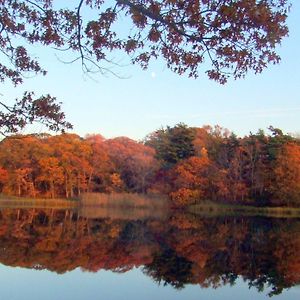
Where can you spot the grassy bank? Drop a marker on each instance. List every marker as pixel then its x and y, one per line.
pixel 21 202
pixel 215 209
pixel 114 200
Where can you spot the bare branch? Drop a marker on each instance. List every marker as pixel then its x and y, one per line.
pixel 79 24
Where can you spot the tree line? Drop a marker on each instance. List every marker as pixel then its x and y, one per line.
pixel 188 164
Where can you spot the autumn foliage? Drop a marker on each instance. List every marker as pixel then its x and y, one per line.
pixel 232 37
pixel 188 164
pixel 67 165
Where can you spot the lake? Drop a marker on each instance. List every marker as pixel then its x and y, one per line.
pixel 137 254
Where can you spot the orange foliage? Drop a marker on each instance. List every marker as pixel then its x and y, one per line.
pixel 287 175
pixel 189 164
pixel 190 180
pixel 184 197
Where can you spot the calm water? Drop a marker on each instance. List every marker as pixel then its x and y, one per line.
pixel 100 254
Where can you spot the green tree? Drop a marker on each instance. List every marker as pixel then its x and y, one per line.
pixel 172 144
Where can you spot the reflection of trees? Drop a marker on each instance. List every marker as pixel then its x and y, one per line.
pixel 262 251
pixel 61 241
pixel 184 250
pixel 169 268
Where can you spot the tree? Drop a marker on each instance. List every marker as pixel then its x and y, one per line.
pixel 101 167
pixel 172 144
pixel 276 141
pixel 134 162
pixel 229 38
pixel 19 157
pixel 51 174
pixel 190 180
pixel 256 166
pixel 234 36
pixel 72 154
pixel 286 184
pixel 28 110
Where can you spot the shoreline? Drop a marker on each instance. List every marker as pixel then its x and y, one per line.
pixel 207 208
pixel 20 202
pixel 217 209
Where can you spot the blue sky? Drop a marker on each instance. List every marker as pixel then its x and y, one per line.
pixel 17 283
pixel 147 100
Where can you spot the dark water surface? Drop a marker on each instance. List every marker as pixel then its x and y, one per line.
pixel 104 254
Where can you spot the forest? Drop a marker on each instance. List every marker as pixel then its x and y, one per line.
pixel 188 164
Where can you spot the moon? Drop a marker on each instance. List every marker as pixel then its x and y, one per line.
pixel 153 75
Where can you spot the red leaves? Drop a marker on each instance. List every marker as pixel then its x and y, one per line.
pixel 154 35
pixel 217 76
pixel 155 8
pixel 138 19
pixel 172 29
pixel 131 45
pixel 28 110
pixel 24 63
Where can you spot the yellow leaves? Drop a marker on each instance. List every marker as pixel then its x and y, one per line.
pixel 185 196
pixel 114 231
pixel 116 182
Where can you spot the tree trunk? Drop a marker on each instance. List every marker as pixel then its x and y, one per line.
pixel 52 189
pixel 66 187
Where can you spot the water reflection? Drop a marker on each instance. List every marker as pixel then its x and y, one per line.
pixel 173 249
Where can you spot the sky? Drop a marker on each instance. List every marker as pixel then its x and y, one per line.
pixel 144 101
pixel 17 283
